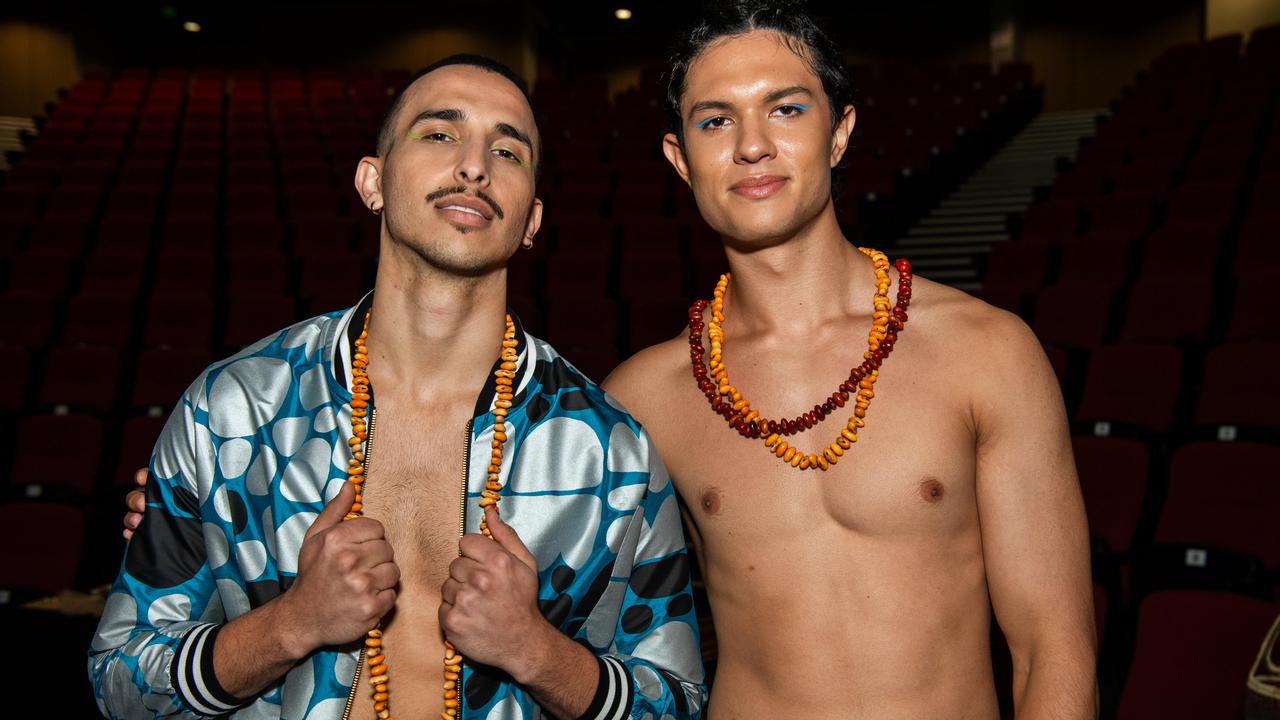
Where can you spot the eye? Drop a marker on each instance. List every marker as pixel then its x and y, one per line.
pixel 790 109
pixel 507 154
pixel 438 136
pixel 716 121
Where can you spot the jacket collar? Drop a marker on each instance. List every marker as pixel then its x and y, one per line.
pixel 351 323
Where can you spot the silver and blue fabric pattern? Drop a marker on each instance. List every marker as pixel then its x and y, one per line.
pixel 257 446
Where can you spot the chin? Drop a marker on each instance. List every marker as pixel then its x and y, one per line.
pixel 758 232
pixel 755 238
pixel 463 259
pixel 467 264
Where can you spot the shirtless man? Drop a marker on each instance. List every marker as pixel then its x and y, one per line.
pixel 861 591
pixel 244 590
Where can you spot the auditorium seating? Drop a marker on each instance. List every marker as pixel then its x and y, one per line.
pixel 162 218
pixel 1192 654
pixel 1150 270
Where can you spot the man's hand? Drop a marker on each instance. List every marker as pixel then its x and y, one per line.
pixel 135 503
pixel 489 611
pixel 346 579
pixel 489 603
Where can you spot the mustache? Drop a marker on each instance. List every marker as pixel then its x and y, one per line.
pixel 462 190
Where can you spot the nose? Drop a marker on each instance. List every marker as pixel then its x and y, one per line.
pixel 473 165
pixel 754 142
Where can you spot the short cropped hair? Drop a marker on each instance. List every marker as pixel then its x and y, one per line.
pixel 386 131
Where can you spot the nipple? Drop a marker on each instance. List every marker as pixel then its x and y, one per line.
pixel 932 490
pixel 711 501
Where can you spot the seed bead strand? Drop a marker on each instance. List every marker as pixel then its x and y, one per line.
pixel 725 399
pixel 503 377
pixel 360 398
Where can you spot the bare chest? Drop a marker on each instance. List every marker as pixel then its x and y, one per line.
pixel 415 488
pixel 910 473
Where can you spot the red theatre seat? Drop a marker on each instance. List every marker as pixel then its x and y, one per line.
pixel 81 377
pixel 1096 257
pixel 1224 495
pixel 1168 310
pixel 104 319
pixel 1194 650
pixel 1137 385
pixel 252 319
pixel 1021 265
pixel 36 560
pixel 45 459
pixel 180 320
pixel 26 319
pixel 1253 315
pixel 1073 315
pixel 1113 479
pixel 1241 386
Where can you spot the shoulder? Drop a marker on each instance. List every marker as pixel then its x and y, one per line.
pixel 579 407
pixel 295 362
pixel 991 358
pixel 962 326
pixel 643 381
pixel 557 388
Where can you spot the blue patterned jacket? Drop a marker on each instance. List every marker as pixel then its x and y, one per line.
pixel 258 445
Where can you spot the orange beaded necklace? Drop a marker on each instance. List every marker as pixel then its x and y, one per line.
pixel 725 399
pixel 356 469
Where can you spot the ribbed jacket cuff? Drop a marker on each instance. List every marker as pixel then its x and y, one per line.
pixel 192 673
pixel 613 696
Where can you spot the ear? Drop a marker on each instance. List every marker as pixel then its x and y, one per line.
pixel 532 224
pixel 368 182
pixel 675 155
pixel 843 131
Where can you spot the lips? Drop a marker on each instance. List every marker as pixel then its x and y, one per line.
pixel 465 210
pixel 758 186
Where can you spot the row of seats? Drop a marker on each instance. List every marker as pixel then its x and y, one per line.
pixel 1149 269
pixel 1153 391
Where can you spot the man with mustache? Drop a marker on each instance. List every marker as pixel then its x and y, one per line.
pixel 301 541
pixel 852 548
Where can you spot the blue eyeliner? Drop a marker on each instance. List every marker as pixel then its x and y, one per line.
pixel 703 125
pixel 798 105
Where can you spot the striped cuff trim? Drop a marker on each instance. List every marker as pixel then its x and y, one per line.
pixel 613 696
pixel 192 674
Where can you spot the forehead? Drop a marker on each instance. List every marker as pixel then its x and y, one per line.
pixel 479 93
pixel 759 61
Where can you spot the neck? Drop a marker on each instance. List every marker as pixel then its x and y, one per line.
pixel 799 283
pixel 432 334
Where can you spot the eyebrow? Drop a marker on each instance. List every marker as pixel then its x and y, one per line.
pixel 773 96
pixel 456 115
pixel 514 134
pixel 446 114
pixel 787 91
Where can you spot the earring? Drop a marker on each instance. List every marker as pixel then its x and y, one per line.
pixel 375 209
pixel 527 243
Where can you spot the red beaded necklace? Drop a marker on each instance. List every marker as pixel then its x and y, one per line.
pixel 725 399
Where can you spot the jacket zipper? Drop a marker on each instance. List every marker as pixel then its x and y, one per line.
pixel 466 468
pixel 462 530
pixel 355 680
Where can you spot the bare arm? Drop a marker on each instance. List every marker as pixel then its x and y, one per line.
pixel 1034 534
